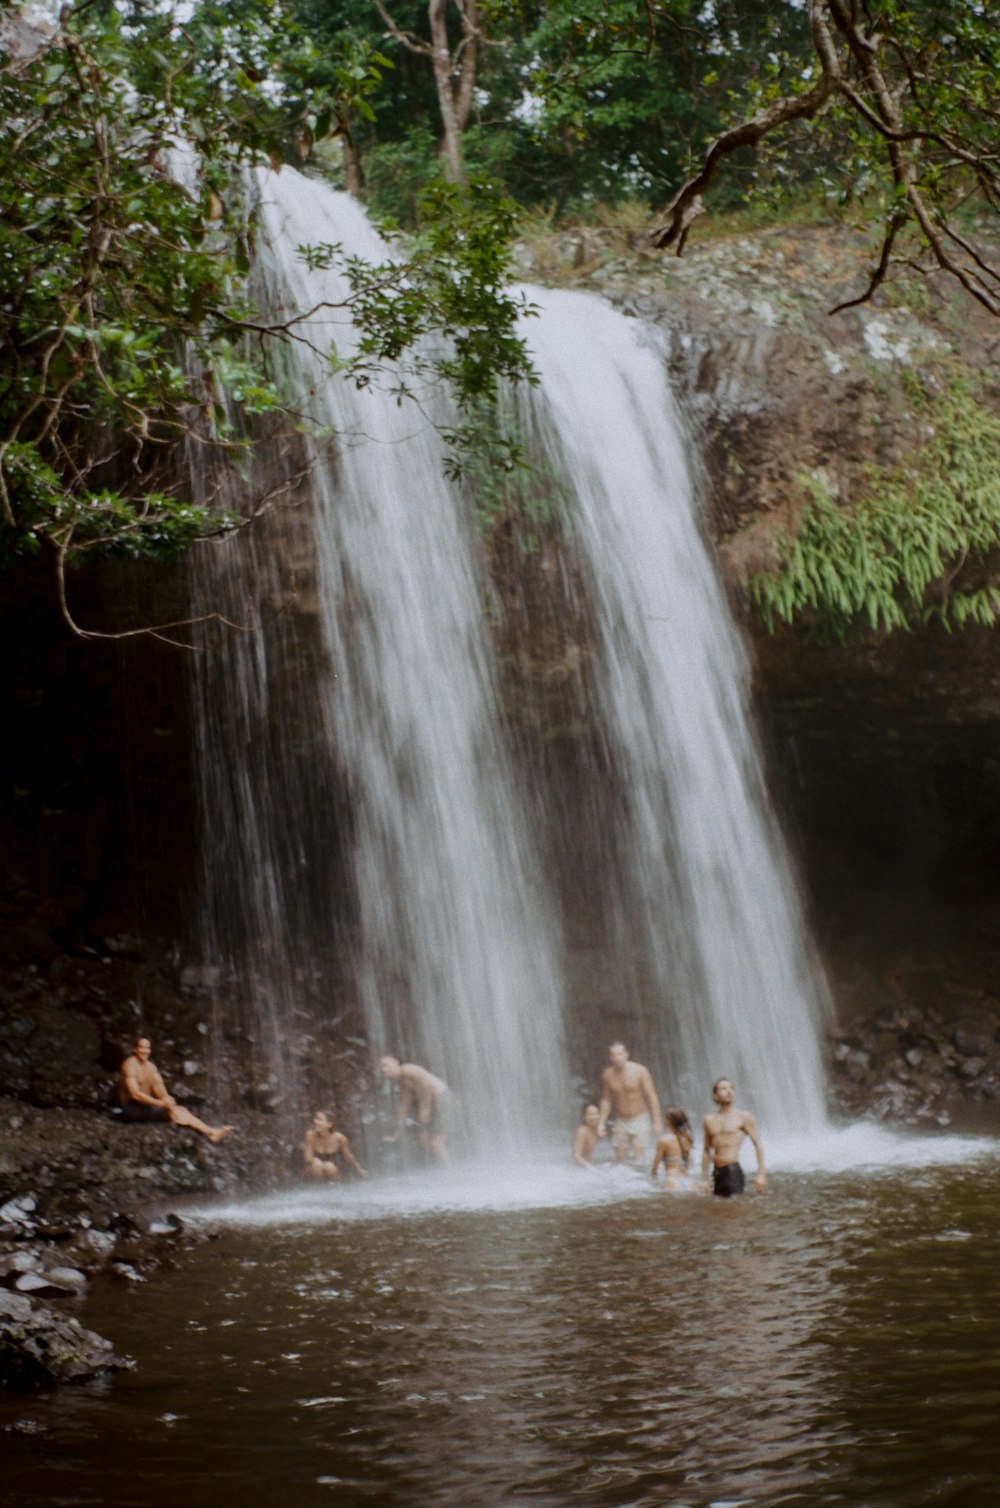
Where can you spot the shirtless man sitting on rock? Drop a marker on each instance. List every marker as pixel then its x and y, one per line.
pixel 143 1095
pixel 627 1089
pixel 725 1132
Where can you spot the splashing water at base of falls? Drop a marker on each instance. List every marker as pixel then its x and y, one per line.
pixel 361 797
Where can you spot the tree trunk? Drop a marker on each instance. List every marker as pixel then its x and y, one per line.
pixel 352 167
pixel 441 60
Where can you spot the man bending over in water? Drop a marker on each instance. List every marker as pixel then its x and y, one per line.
pixel 322 1147
pixel 627 1089
pixel 143 1095
pixel 725 1132
pixel 434 1102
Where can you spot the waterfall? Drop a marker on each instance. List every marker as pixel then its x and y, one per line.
pixel 372 844
pixel 700 872
pixel 454 951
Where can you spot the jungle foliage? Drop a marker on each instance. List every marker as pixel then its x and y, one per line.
pixel 123 267
pixel 121 273
pixel 921 543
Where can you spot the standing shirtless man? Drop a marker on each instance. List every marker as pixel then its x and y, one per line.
pixel 434 1102
pixel 143 1095
pixel 627 1089
pixel 725 1132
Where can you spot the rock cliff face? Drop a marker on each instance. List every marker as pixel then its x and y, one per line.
pixel 777 385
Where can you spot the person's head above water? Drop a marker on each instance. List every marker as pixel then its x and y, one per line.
pixel 723 1091
pixel 390 1066
pixel 618 1054
pixel 322 1120
pixel 591 1116
pixel 677 1119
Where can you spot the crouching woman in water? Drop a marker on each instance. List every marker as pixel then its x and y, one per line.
pixel 673 1150
pixel 323 1149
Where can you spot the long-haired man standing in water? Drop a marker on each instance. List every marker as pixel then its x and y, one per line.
pixel 725 1132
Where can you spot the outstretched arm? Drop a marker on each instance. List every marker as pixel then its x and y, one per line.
pixel 349 1157
pixel 578 1144
pixel 403 1103
pixel 604 1108
pixel 706 1155
pixel 649 1090
pixel 750 1127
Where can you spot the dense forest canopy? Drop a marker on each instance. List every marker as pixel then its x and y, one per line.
pixel 125 124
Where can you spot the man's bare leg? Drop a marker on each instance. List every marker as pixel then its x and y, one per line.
pixel 434 1142
pixel 181 1116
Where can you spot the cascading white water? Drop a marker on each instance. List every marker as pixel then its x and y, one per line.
pixel 456 952
pixel 701 864
pixel 454 948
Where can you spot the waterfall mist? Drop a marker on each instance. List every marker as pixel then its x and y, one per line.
pixel 378 841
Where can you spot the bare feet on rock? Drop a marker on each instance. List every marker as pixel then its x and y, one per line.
pixel 220 1133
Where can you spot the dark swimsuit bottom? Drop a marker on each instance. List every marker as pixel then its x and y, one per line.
pixel 728 1180
pixel 133 1111
pixel 330 1157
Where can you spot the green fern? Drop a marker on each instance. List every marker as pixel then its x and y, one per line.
pixel 921 544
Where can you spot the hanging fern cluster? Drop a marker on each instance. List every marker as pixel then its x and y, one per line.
pixel 923 542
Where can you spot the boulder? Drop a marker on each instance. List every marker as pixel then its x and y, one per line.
pixel 39 1347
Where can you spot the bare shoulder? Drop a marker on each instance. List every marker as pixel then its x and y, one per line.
pixel 748 1120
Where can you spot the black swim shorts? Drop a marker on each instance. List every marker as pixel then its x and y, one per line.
pixel 728 1180
pixel 133 1111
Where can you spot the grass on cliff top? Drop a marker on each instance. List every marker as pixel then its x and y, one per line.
pixel 574 245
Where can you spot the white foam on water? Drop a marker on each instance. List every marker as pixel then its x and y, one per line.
pixel 481 1186
pixel 870 1148
pixel 470 1187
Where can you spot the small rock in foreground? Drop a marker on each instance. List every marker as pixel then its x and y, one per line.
pixel 39 1347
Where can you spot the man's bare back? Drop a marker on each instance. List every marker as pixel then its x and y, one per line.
pixel 726 1129
pixel 432 1099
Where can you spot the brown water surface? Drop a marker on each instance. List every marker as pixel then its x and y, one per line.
pixel 834 1342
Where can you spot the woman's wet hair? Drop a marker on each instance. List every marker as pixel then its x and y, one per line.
pixel 678 1118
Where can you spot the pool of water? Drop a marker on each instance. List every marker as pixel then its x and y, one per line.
pixel 546 1336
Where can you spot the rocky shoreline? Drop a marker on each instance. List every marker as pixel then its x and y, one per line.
pixel 86 1199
